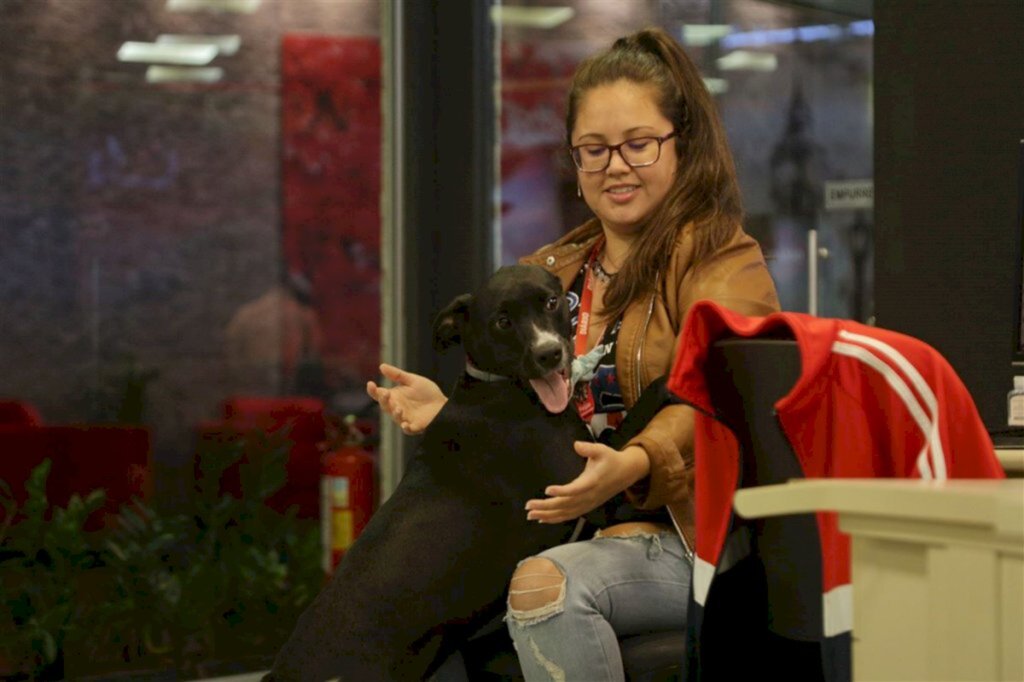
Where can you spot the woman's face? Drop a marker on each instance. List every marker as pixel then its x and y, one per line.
pixel 620 196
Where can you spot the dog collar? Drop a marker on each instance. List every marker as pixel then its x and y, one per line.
pixel 582 367
pixel 481 375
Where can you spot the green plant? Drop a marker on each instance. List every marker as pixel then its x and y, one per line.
pixel 43 559
pixel 264 566
pixel 216 579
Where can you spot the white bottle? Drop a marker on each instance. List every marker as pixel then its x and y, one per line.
pixel 1015 402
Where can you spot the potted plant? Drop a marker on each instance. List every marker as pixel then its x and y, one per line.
pixel 191 592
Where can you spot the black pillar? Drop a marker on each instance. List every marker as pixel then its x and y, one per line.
pixel 449 122
pixel 949 114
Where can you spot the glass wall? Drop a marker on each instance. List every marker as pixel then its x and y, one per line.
pixel 177 233
pixel 793 85
pixel 190 212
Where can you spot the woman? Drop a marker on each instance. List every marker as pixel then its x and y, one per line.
pixel 654 167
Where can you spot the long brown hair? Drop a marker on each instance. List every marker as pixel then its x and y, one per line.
pixel 704 190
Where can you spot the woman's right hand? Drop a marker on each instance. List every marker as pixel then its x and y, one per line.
pixel 412 402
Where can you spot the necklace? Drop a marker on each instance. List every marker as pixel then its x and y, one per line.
pixel 603 276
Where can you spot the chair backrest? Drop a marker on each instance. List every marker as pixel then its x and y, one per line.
pixel 745 378
pixel 19 412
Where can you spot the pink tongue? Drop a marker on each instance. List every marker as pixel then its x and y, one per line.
pixel 553 391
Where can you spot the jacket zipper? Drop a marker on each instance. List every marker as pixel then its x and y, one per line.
pixel 687 550
pixel 640 341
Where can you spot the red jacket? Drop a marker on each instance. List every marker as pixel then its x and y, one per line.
pixel 868 403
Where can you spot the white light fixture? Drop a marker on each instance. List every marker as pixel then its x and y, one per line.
pixel 192 55
pixel 804 34
pixel 743 60
pixel 701 35
pixel 226 44
pixel 716 86
pixel 531 17
pixel 862 28
pixel 184 74
pixel 236 6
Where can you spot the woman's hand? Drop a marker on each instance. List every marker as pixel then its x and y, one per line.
pixel 412 403
pixel 606 473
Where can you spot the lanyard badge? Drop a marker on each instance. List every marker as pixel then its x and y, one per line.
pixel 585 403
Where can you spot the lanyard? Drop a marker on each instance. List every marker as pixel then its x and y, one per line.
pixel 585 404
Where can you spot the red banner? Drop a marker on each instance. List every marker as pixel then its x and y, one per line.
pixel 331 128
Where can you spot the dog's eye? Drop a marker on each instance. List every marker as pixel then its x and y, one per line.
pixel 552 303
pixel 503 322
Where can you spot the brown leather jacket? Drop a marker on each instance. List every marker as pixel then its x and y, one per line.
pixel 735 276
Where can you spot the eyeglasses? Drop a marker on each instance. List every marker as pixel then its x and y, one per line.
pixel 637 153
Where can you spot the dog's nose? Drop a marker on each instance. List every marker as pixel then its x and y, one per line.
pixel 548 356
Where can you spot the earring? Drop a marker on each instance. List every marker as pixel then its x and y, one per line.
pixel 579 192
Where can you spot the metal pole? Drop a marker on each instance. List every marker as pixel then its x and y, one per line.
pixel 812 272
pixel 393 334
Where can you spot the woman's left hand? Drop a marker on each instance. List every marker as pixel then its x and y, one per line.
pixel 606 473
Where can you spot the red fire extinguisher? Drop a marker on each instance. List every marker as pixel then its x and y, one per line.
pixel 346 493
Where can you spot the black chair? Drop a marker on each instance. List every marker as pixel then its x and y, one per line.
pixel 763 614
pixel 651 657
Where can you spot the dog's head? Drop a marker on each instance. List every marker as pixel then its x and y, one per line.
pixel 515 326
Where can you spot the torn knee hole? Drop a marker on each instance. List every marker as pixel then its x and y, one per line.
pixel 537 584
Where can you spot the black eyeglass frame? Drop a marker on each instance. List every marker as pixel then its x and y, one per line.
pixel 612 148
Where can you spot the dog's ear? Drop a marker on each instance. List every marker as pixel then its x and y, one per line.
pixel 450 321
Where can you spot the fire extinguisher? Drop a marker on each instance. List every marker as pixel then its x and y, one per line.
pixel 346 493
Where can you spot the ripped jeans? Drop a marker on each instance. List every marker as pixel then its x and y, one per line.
pixel 612 587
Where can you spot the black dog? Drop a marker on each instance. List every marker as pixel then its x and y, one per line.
pixel 433 564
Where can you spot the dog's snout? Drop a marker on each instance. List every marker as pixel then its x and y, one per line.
pixel 548 355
